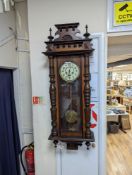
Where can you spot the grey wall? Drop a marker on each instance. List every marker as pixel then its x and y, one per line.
pixel 8 56
pixel 14 53
pixel 22 76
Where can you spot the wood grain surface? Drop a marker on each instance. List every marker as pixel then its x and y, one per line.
pixel 119 153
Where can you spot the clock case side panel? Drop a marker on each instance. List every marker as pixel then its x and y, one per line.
pixel 87 97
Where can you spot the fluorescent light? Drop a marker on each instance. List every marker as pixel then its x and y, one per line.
pixel 121 66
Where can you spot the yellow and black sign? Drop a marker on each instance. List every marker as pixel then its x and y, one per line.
pixel 122 13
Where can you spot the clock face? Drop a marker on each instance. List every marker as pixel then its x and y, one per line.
pixel 69 71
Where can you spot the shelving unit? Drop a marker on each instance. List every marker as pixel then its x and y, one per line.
pixel 115 91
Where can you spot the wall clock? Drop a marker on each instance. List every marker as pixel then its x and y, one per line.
pixel 70 86
pixel 69 71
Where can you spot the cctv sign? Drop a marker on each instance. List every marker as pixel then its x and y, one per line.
pixel 123 13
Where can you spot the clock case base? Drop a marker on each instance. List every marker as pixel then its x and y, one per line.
pixel 73 142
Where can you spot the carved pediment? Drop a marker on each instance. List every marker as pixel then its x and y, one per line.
pixel 67 32
pixel 68 39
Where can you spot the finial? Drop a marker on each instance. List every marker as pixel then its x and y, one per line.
pixel 55 143
pixel 88 145
pixel 86 35
pixel 50 37
pixel 86 28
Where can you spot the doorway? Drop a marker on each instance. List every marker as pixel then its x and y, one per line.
pixel 119 105
pixel 10 143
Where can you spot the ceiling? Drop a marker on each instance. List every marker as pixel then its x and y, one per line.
pixel 119 48
pixel 124 68
pixel 19 0
pixel 118 40
pixel 112 59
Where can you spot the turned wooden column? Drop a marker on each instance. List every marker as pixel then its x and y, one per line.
pixel 87 96
pixel 53 97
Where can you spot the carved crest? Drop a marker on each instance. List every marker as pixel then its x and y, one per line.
pixel 68 40
pixel 67 32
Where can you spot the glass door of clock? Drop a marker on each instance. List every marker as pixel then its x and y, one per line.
pixel 70 106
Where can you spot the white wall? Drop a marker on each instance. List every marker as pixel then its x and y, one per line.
pixel 41 16
pixel 8 56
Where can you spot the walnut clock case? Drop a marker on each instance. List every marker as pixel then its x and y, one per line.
pixel 70 86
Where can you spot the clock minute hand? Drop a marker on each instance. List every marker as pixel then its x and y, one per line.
pixel 69 72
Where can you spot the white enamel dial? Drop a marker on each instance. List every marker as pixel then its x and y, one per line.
pixel 69 71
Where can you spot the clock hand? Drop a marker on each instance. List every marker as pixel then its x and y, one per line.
pixel 69 72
